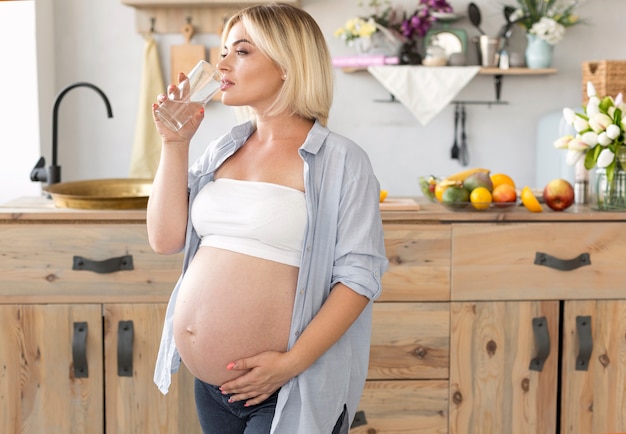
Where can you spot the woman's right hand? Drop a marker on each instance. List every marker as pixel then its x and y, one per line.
pixel 188 130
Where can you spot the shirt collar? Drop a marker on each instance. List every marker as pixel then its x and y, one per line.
pixel 315 139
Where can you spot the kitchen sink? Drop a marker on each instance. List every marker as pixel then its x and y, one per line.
pixel 113 193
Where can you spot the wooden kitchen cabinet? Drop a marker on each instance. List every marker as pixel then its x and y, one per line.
pixel 41 361
pixel 493 390
pixel 407 384
pixel 594 399
pixel 459 332
pixel 39 392
pixel 67 334
pixel 557 290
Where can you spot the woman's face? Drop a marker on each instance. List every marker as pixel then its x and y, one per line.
pixel 250 78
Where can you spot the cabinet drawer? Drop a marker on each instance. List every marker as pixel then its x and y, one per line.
pixel 38 259
pixel 403 407
pixel 410 341
pixel 419 263
pixel 497 261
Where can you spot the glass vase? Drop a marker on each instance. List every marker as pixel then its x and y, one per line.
pixel 538 53
pixel 608 195
pixel 363 46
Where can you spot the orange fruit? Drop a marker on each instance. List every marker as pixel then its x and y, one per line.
pixel 501 178
pixel 480 197
pixel 530 200
pixel 504 193
pixel 383 195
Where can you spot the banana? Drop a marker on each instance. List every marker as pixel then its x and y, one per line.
pixel 460 176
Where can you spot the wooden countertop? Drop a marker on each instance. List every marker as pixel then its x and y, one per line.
pixel 37 209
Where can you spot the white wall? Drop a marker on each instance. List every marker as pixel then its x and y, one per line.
pixel 19 117
pixel 96 41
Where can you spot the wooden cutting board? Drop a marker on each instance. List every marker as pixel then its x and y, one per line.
pixel 184 57
pixel 399 204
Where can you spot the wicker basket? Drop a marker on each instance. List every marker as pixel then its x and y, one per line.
pixel 608 77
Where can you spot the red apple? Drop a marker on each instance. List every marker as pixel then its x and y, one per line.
pixel 558 194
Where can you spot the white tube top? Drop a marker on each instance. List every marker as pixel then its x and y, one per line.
pixel 259 219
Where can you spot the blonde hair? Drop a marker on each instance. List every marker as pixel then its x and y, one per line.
pixel 291 38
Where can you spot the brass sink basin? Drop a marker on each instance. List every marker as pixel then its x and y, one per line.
pixel 118 193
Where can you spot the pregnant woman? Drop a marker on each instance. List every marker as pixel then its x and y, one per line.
pixel 282 238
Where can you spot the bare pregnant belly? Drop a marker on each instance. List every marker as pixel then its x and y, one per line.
pixel 231 306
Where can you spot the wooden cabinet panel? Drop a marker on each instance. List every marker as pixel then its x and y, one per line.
pixel 492 389
pixel 134 404
pixel 594 399
pixel 419 263
pixel 404 407
pixel 496 261
pixel 39 392
pixel 37 261
pixel 410 341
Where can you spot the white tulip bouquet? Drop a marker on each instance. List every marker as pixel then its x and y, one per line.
pixel 599 138
pixel 545 18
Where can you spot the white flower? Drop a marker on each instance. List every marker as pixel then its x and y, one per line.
pixel 548 30
pixel 573 157
pixel 569 115
pixel 599 122
pixel 563 142
pixel 591 90
pixel 600 131
pixel 613 131
pixel 580 124
pixel 604 139
pixel 577 144
pixel 593 106
pixel 590 138
pixel 605 158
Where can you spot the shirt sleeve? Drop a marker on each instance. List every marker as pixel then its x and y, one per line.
pixel 360 259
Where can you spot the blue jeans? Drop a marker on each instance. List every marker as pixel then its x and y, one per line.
pixel 218 416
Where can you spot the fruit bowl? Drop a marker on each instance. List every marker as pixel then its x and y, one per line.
pixel 427 185
pixel 480 207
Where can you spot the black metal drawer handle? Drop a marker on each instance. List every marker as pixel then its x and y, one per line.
pixel 542 342
pixel 125 334
pixel 359 419
pixel 79 350
pixel 585 342
pixel 110 265
pixel 562 264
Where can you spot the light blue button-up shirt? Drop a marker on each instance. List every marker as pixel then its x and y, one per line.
pixel 343 243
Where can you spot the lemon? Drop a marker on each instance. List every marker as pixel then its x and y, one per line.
pixel 383 195
pixel 530 200
pixel 501 178
pixel 439 189
pixel 480 198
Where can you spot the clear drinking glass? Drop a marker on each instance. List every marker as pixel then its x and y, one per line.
pixel 202 83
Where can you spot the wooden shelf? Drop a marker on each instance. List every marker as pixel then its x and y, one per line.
pixel 169 16
pixel 483 71
pixel 497 74
pixel 517 71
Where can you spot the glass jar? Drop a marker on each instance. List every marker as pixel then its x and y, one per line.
pixel 435 56
pixel 608 195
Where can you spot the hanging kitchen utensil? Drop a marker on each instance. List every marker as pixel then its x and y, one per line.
pixel 454 152
pixel 184 57
pixel 508 12
pixel 463 154
pixel 474 16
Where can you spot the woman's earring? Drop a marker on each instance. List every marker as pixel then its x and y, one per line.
pixel 284 77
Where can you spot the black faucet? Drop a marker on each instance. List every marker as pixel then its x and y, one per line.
pixel 53 174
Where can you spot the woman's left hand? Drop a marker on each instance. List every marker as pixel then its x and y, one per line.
pixel 267 372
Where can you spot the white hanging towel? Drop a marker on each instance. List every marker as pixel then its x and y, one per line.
pixel 146 150
pixel 424 90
